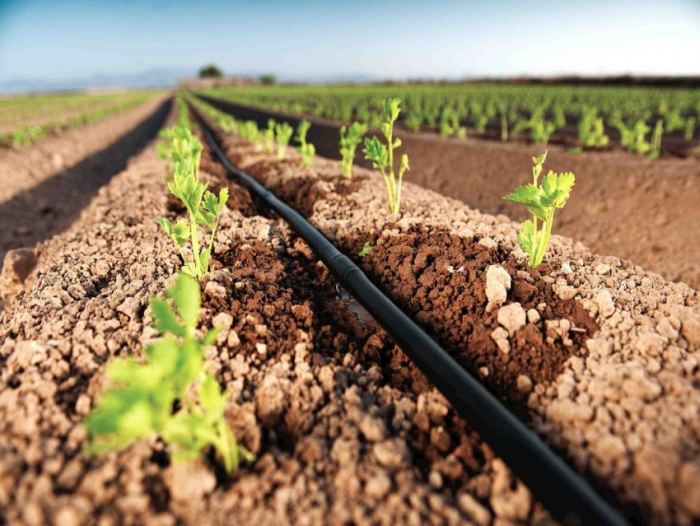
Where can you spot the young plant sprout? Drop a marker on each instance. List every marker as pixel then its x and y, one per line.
pixel 591 129
pixel 269 137
pixel 306 149
pixel 170 394
pixel 349 140
pixel 203 207
pixel 250 132
pixel 633 137
pixel 655 151
pixel 382 155
pixel 541 200
pixel 366 249
pixel 283 133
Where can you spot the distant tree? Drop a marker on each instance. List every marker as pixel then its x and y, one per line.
pixel 268 80
pixel 210 71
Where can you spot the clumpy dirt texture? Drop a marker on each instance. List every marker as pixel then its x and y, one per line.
pixel 623 402
pixel 623 205
pixel 46 185
pixel 441 279
pixel 343 428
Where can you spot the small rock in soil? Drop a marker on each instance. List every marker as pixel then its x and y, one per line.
pixel 498 284
pixel 512 317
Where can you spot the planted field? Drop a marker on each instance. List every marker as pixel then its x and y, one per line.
pixel 26 119
pixel 231 328
pixel 646 121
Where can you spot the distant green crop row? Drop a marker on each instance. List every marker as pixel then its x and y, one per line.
pixel 94 108
pixel 630 114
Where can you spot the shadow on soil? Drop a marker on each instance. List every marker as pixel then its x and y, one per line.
pixel 51 206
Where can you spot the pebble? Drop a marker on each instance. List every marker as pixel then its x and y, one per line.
pixel 222 321
pixel 533 316
pixel 602 269
pixel 498 283
pixel 233 339
pixel 392 453
pixel 500 336
pixel 215 290
pixel 373 428
pixel 606 306
pixel 524 383
pixel 377 487
pixel 188 481
pixel 473 509
pixel 512 317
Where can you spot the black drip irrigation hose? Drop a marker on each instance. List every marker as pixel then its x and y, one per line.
pixel 563 491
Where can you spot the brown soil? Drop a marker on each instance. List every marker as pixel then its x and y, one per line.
pixel 46 186
pixel 622 406
pixel 344 430
pixel 452 305
pixel 623 205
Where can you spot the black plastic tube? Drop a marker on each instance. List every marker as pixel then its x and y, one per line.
pixel 564 492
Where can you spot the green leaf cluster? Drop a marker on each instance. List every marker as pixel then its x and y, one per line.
pixel 382 155
pixel 541 199
pixel 633 136
pixel 268 135
pixel 283 134
pixel 350 138
pixel 169 394
pixel 591 129
pixel 306 149
pixel 366 249
pixel 184 150
pixel 449 124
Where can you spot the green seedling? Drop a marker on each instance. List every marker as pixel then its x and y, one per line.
pixel 250 132
pixel 591 130
pixel 169 394
pixel 449 124
pixel 203 207
pixel 634 137
pixel 689 128
pixel 350 138
pixel 306 149
pixel 656 137
pixel 283 133
pixel 382 155
pixel 366 249
pixel 541 200
pixel 414 121
pixel 269 136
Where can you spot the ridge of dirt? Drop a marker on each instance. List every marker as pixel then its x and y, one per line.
pixel 46 186
pixel 344 429
pixel 626 410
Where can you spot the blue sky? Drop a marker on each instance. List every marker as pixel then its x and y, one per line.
pixel 311 39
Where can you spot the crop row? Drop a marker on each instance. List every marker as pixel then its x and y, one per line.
pixel 636 117
pixel 170 394
pixel 80 109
